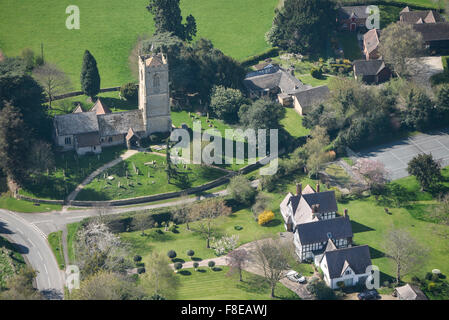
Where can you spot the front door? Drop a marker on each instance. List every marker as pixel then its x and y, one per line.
pixel 352 27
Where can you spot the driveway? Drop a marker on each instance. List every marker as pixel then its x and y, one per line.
pixel 425 67
pixel 396 155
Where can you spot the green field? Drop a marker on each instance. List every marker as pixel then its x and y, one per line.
pixel 188 240
pixel 109 29
pixel 149 180
pixel 207 284
pixel 10 260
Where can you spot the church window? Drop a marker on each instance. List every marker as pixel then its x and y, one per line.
pixel 156 81
pixel 68 140
pixel 110 139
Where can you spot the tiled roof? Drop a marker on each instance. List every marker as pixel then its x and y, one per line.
pixel 410 292
pixel 319 231
pixel 325 199
pixel 428 16
pixel 88 139
pixel 368 68
pixel 312 96
pixel 100 108
pixel 78 109
pixel 357 258
pixel 76 123
pixel 352 11
pixel 280 78
pixel 433 31
pixel 371 40
pixel 120 122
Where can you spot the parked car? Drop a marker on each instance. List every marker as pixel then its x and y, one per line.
pixel 294 276
pixel 368 295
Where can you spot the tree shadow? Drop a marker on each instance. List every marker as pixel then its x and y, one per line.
pixel 185 272
pixel 196 259
pixel 178 260
pixel 272 223
pixel 112 103
pixel 253 284
pixel 201 270
pixel 217 269
pixel 375 254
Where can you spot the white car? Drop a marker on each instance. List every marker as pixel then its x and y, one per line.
pixel 294 276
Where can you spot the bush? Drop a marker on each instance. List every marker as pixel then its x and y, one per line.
pixel 316 73
pixel 173 228
pixel 272 52
pixel 428 276
pixel 196 265
pixel 137 258
pixel 211 264
pixel 129 91
pixel 141 270
pixel 171 254
pixel 265 217
pixel 178 266
pixel 190 253
pixel 238 228
pixel 321 290
pixel 241 191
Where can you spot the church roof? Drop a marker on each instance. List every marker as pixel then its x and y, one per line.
pixel 100 108
pixel 131 134
pixel 78 109
pixel 88 139
pixel 76 123
pixel 154 61
pixel 120 122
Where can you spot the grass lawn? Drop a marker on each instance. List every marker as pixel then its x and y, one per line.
pixel 338 174
pixel 188 240
pixel 292 123
pixel 314 82
pixel 72 229
pixel 10 260
pixel 207 284
pixel 70 170
pixel 55 241
pixel 349 43
pixel 16 205
pixel 149 180
pixel 109 29
pixel 423 3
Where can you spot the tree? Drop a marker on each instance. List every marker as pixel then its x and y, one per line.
pixel 211 264
pixel 130 91
pixel 303 25
pixel 373 170
pixel 19 89
pixel 41 157
pixel 265 217
pixel 182 213
pixel 441 211
pixel 178 266
pixel 237 260
pixel 53 80
pixel 404 250
pixel 98 249
pixel 190 253
pixel 225 103
pixel 262 114
pixel 167 18
pixel 206 212
pixel 272 257
pixel 240 190
pixel 14 144
pixel 260 205
pixel 106 285
pixel 420 112
pixel 426 170
pixel 315 149
pixel 90 78
pixel 143 222
pixel 171 254
pixel 399 42
pixel 20 286
pixel 159 277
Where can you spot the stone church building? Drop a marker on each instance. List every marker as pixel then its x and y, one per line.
pixel 90 131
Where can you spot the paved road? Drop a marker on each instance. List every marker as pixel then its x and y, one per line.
pixel 396 155
pixel 33 245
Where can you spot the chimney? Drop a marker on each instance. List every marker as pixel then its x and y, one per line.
pixel 298 189
pixel 346 213
pixel 318 187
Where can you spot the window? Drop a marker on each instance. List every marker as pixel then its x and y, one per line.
pixel 68 140
pixel 156 81
pixel 110 139
pixel 348 272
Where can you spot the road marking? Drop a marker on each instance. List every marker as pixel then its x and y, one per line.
pixel 81 217
pixel 32 244
pixel 39 254
pixel 46 271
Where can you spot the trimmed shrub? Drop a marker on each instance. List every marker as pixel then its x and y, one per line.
pixel 196 265
pixel 265 217
pixel 141 270
pixel 316 73
pixel 137 258
pixel 190 253
pixel 238 228
pixel 178 266
pixel 211 264
pixel 171 254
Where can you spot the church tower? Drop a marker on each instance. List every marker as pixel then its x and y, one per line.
pixel 154 93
